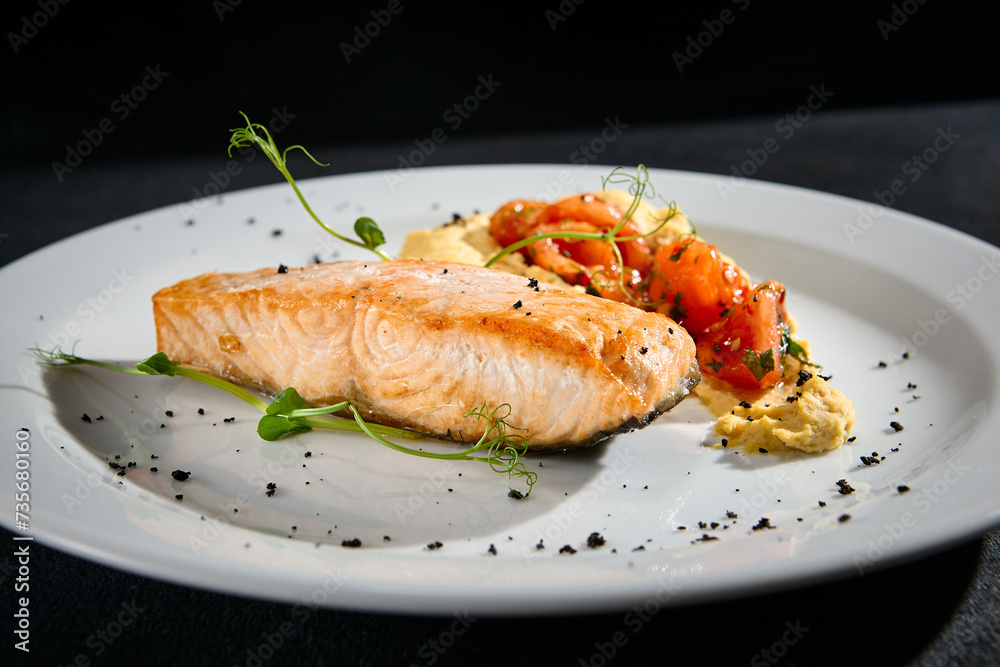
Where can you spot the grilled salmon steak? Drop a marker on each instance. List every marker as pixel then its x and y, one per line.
pixel 419 345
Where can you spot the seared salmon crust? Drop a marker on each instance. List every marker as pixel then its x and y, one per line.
pixel 419 345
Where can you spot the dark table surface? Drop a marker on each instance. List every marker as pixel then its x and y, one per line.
pixel 942 609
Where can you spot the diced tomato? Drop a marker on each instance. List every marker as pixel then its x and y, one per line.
pixel 693 284
pixel 515 220
pixel 745 347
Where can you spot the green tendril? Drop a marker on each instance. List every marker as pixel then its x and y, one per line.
pixel 288 413
pixel 244 137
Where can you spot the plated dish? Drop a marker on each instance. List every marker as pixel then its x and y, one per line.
pixel 645 516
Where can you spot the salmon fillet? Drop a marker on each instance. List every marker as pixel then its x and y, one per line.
pixel 419 344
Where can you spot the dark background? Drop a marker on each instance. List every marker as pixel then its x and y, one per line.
pixel 605 59
pixel 890 93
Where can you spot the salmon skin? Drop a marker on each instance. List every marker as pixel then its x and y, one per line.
pixel 419 345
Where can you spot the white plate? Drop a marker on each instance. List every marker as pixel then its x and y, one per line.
pixel 861 280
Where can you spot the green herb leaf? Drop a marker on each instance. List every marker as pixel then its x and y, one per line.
pixel 286 402
pixel 272 427
pixel 759 364
pixel 369 232
pixel 158 364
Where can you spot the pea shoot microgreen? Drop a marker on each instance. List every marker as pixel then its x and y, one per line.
pixel 368 231
pixel 288 413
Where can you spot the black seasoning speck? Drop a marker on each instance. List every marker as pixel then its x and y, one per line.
pixel 354 544
pixel 271 488
pixel 434 546
pixel 882 364
pixel 386 538
pixel 180 475
pixel 179 496
pixel 852 438
pixel 201 411
pixel 869 460
pixel 515 494
pixel 85 417
pixel 822 504
pixel 567 549
pixel 844 518
pixel 844 488
pixel 276 232
pixel 445 271
pixel 595 540
pixel 745 404
pixel 896 426
pixel 705 538
pixel 282 268
pixel 762 450
pixel 533 283
pixel 492 550
pixel 763 524
pixel 169 413
pixel 643 350
pixel 154 469
pixel 804 376
pixel 517 304
pixel 307 454
pixel 153 456
pixel 229 420
pixel 902 488
pixel 725 442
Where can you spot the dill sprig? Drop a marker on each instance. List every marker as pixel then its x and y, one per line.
pixel 367 230
pixel 288 413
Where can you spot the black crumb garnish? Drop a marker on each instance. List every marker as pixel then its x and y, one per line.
pixel 745 404
pixel 844 488
pixel 852 438
pixel 201 411
pixel 517 304
pixel 169 413
pixel 762 450
pixel 682 527
pixel 154 469
pixel 896 426
pixel 492 550
pixel 595 540
pixel 85 417
pixel 179 496
pixel 725 442
pixel 804 376
pixel 515 494
pixel 271 488
pixel 444 272
pixel 843 518
pixel 869 460
pixel 386 538
pixel 433 546
pixel 882 364
pixel 153 456
pixel 180 475
pixel 906 355
pixel 822 503
pixel 704 538
pixel 229 420
pixel 567 549
pixel 276 231
pixel 763 524
pixel 540 545
pixel 639 548
pixel 533 283
pixel 282 268
pixel 354 543
pixel 910 385
pixel 902 488
pixel 731 515
pixel 307 454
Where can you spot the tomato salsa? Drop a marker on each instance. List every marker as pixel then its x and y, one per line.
pixel 738 325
